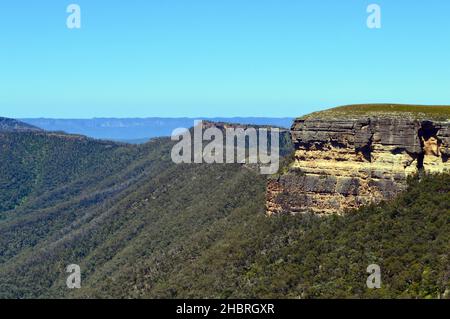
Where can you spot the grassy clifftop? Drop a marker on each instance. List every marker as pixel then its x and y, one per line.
pixel 431 112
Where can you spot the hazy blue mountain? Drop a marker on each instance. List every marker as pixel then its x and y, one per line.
pixel 138 130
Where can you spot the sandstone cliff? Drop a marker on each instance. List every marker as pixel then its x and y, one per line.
pixel 350 156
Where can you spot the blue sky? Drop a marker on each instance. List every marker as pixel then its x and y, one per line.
pixel 140 58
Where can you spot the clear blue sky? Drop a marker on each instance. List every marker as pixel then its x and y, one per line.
pixel 140 58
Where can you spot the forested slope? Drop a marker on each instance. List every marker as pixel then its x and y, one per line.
pixel 140 226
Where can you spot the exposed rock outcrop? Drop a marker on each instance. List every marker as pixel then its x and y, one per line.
pixel 344 162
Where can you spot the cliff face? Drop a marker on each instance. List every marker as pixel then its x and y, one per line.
pixel 344 163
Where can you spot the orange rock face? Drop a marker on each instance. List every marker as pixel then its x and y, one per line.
pixel 342 164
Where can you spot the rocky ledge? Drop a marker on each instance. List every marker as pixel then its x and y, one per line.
pixel 352 156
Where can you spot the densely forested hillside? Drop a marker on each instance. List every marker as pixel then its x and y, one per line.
pixel 141 226
pixel 35 163
pixel 11 125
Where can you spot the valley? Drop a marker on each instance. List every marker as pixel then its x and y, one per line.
pixel 141 226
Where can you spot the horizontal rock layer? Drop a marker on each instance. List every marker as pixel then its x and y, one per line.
pixel 345 163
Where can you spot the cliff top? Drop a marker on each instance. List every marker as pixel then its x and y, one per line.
pixel 432 112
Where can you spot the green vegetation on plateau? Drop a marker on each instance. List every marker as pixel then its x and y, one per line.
pixel 142 227
pixel 431 112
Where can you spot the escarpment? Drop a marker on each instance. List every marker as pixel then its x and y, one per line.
pixel 346 159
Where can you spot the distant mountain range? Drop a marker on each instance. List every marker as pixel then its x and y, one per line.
pixel 138 130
